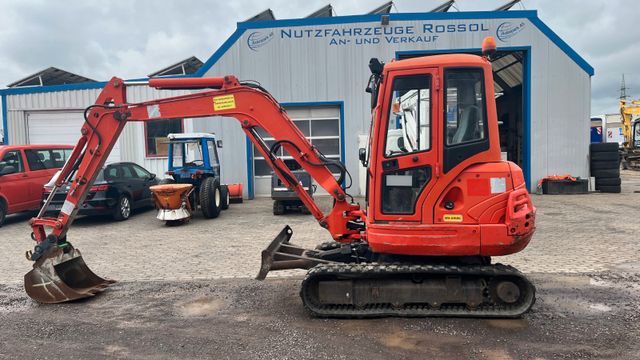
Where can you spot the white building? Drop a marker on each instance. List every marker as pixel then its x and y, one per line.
pixel 317 68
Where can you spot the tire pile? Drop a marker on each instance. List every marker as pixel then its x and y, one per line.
pixel 605 166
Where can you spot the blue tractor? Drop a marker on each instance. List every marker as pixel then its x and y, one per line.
pixel 193 159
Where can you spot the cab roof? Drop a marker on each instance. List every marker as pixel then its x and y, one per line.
pixel 437 60
pixel 182 136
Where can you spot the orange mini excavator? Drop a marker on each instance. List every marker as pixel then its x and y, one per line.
pixel 440 202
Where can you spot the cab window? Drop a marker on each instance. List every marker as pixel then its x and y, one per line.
pixel 213 158
pixel 464 106
pixel 409 124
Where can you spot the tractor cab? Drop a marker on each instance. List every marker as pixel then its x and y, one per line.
pixel 193 156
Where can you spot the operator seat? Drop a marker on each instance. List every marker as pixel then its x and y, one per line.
pixel 469 115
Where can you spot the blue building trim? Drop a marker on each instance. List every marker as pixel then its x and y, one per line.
pixel 5 119
pixel 249 147
pixel 339 103
pixel 526 95
pixel 52 88
pixel 219 53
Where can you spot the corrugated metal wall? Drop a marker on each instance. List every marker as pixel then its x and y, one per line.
pixel 131 140
pixel 312 68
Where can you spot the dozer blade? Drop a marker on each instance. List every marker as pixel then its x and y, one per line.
pixel 61 275
pixel 281 255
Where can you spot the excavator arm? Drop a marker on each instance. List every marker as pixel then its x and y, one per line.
pixel 248 103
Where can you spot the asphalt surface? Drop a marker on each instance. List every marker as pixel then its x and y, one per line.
pixel 576 316
pixel 187 292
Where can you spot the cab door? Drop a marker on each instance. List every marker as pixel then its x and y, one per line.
pixel 407 145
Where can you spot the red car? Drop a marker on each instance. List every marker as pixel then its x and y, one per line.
pixel 24 169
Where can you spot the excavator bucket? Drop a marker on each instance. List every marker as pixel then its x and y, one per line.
pixel 61 275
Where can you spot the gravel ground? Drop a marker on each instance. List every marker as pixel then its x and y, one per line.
pixel 187 292
pixel 576 316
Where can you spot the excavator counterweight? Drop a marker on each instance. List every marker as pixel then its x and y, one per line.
pixel 440 201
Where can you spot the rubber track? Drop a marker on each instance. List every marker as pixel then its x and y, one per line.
pixel 364 271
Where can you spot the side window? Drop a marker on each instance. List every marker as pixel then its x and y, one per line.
pixel 464 106
pixel 60 157
pixel 36 159
pixel 156 143
pixel 111 173
pixel 127 172
pixel 213 158
pixel 11 159
pixel 409 125
pixel 140 172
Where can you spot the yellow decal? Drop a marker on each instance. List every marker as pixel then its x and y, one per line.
pixel 224 102
pixel 452 218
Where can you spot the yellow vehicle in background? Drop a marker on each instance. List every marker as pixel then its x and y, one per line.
pixel 631 131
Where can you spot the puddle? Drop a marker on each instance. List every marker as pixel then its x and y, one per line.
pixel 200 307
pixel 600 307
pixel 511 324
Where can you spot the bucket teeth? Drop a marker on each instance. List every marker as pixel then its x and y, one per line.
pixel 61 275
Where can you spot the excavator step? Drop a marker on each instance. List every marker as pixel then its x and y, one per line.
pixel 377 290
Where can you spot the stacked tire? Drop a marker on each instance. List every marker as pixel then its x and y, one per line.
pixel 605 166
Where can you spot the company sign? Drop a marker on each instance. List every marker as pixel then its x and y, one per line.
pixel 508 29
pixel 369 35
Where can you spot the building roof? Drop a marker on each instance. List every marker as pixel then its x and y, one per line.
pixel 186 136
pixel 50 76
pixel 242 27
pixel 185 67
pixel 325 11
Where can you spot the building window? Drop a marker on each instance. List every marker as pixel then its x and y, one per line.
pixel 156 132
pixel 321 129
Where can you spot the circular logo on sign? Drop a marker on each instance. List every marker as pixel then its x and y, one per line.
pixel 507 30
pixel 257 39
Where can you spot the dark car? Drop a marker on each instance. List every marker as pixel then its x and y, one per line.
pixel 118 189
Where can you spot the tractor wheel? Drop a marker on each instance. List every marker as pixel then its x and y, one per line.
pixel 224 191
pixel 123 208
pixel 3 212
pixel 210 198
pixel 278 207
pixel 605 156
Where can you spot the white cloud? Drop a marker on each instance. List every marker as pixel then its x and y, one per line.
pixel 133 38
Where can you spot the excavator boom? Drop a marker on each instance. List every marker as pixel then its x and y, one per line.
pixel 252 106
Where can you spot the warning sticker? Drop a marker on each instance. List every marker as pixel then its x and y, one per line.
pixel 224 102
pixel 452 218
pixel 67 207
pixel 498 185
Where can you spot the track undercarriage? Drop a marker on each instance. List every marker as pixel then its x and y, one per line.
pixel 348 281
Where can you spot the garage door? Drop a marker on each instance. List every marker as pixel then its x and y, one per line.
pixel 321 125
pixel 59 127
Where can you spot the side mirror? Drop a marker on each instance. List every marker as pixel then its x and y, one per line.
pixel 362 155
pixel 219 144
pixel 9 169
pixel 152 176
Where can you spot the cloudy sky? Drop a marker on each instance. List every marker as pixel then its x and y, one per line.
pixel 98 39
